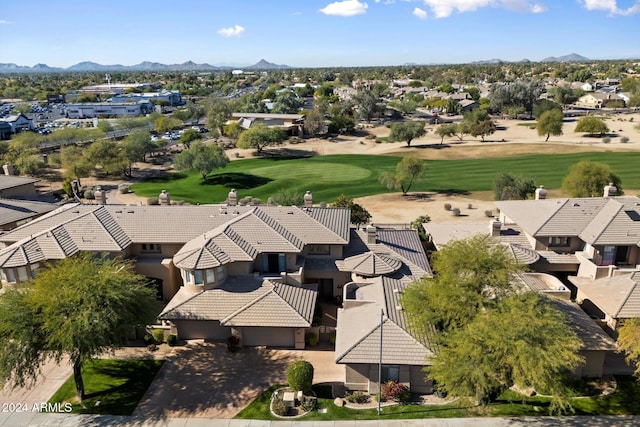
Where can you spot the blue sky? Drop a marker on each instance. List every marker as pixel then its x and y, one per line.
pixel 313 33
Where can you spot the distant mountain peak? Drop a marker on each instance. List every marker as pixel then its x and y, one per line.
pixel 572 57
pixel 263 64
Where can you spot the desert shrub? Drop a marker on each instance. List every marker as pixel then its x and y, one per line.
pixel 489 214
pixel 279 407
pixel 245 201
pixel 312 339
pixel 447 206
pixel 123 188
pixel 89 194
pixel 470 206
pixel 370 136
pixel 606 140
pixel 153 201
pixel 624 139
pixel 393 390
pixel 152 347
pixel 300 375
pixel 172 340
pixel 148 339
pixel 255 201
pixel 309 403
pixel 233 343
pixel 455 212
pixel 358 397
pixel 158 336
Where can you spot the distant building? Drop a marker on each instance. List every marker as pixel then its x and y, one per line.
pixel 172 97
pixel 91 110
pixel 18 122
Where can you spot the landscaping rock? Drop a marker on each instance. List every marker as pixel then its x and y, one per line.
pixel 338 401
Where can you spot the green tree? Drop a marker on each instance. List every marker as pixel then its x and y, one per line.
pixel 313 122
pixel 135 147
pixel 592 126
pixel 287 102
pixel 629 342
pixel 479 123
pixel 407 131
pixel 523 341
pixel 588 179
pixel 341 124
pixel 366 104
pixel 74 163
pixel 471 275
pixel 218 112
pixel 108 155
pixel 300 376
pixel 513 187
pixel 359 215
pixel 201 157
pixel 446 130
pixel 550 123
pixel 79 307
pixel 543 106
pixel 188 136
pixel 166 124
pixel 407 171
pixel 259 137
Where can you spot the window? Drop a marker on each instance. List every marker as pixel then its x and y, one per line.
pixel 559 241
pixel 22 274
pixel 34 270
pixel 220 273
pixel 199 280
pixel 319 250
pixel 211 279
pixel 11 275
pixel 187 277
pixel 151 248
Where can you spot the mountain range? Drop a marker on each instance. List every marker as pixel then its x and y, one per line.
pixel 88 66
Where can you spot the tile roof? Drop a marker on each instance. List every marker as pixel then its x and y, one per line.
pixel 370 264
pixel 11 181
pixel 592 336
pixel 358 328
pixel 220 233
pixel 245 301
pixel 617 296
pixel 12 210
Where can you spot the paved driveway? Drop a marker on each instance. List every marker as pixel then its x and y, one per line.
pixel 205 380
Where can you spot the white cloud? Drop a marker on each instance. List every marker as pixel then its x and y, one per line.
pixel 234 31
pixel 4 22
pixel 420 13
pixel 611 6
pixel 444 8
pixel 345 8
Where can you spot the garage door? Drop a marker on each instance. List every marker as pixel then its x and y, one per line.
pixel 202 329
pixel 273 337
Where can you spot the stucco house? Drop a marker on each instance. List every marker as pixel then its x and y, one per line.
pixel 15 212
pixel 17 187
pixel 597 99
pixel 293 124
pixel 18 122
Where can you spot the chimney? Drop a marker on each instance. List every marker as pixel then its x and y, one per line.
pixel 8 169
pixel 164 198
pixel 494 228
pixel 541 193
pixel 610 190
pixel 308 199
pixel 372 235
pixel 232 199
pixel 101 196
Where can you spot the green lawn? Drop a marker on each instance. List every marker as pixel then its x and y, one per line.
pixel 113 387
pixel 358 175
pixel 625 401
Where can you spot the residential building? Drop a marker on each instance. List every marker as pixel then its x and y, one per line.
pixel 14 212
pixel 17 187
pixel 18 122
pixel 293 124
pixel 597 99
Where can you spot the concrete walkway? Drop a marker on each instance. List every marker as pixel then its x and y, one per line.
pixel 50 380
pixel 36 419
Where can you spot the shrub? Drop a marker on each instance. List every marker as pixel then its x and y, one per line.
pixel 624 139
pixel 455 212
pixel 123 188
pixel 606 140
pixel 358 397
pixel 89 194
pixel 172 340
pixel 309 403
pixel 370 136
pixel 245 201
pixel 312 339
pixel 300 375
pixel 148 339
pixel 152 347
pixel 470 206
pixel 233 343
pixel 279 407
pixel 489 214
pixel 153 201
pixel 158 336
pixel 255 201
pixel 393 390
pixel 447 206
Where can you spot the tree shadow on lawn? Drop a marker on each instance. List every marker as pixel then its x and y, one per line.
pixel 285 154
pixel 453 192
pixel 166 177
pixel 237 180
